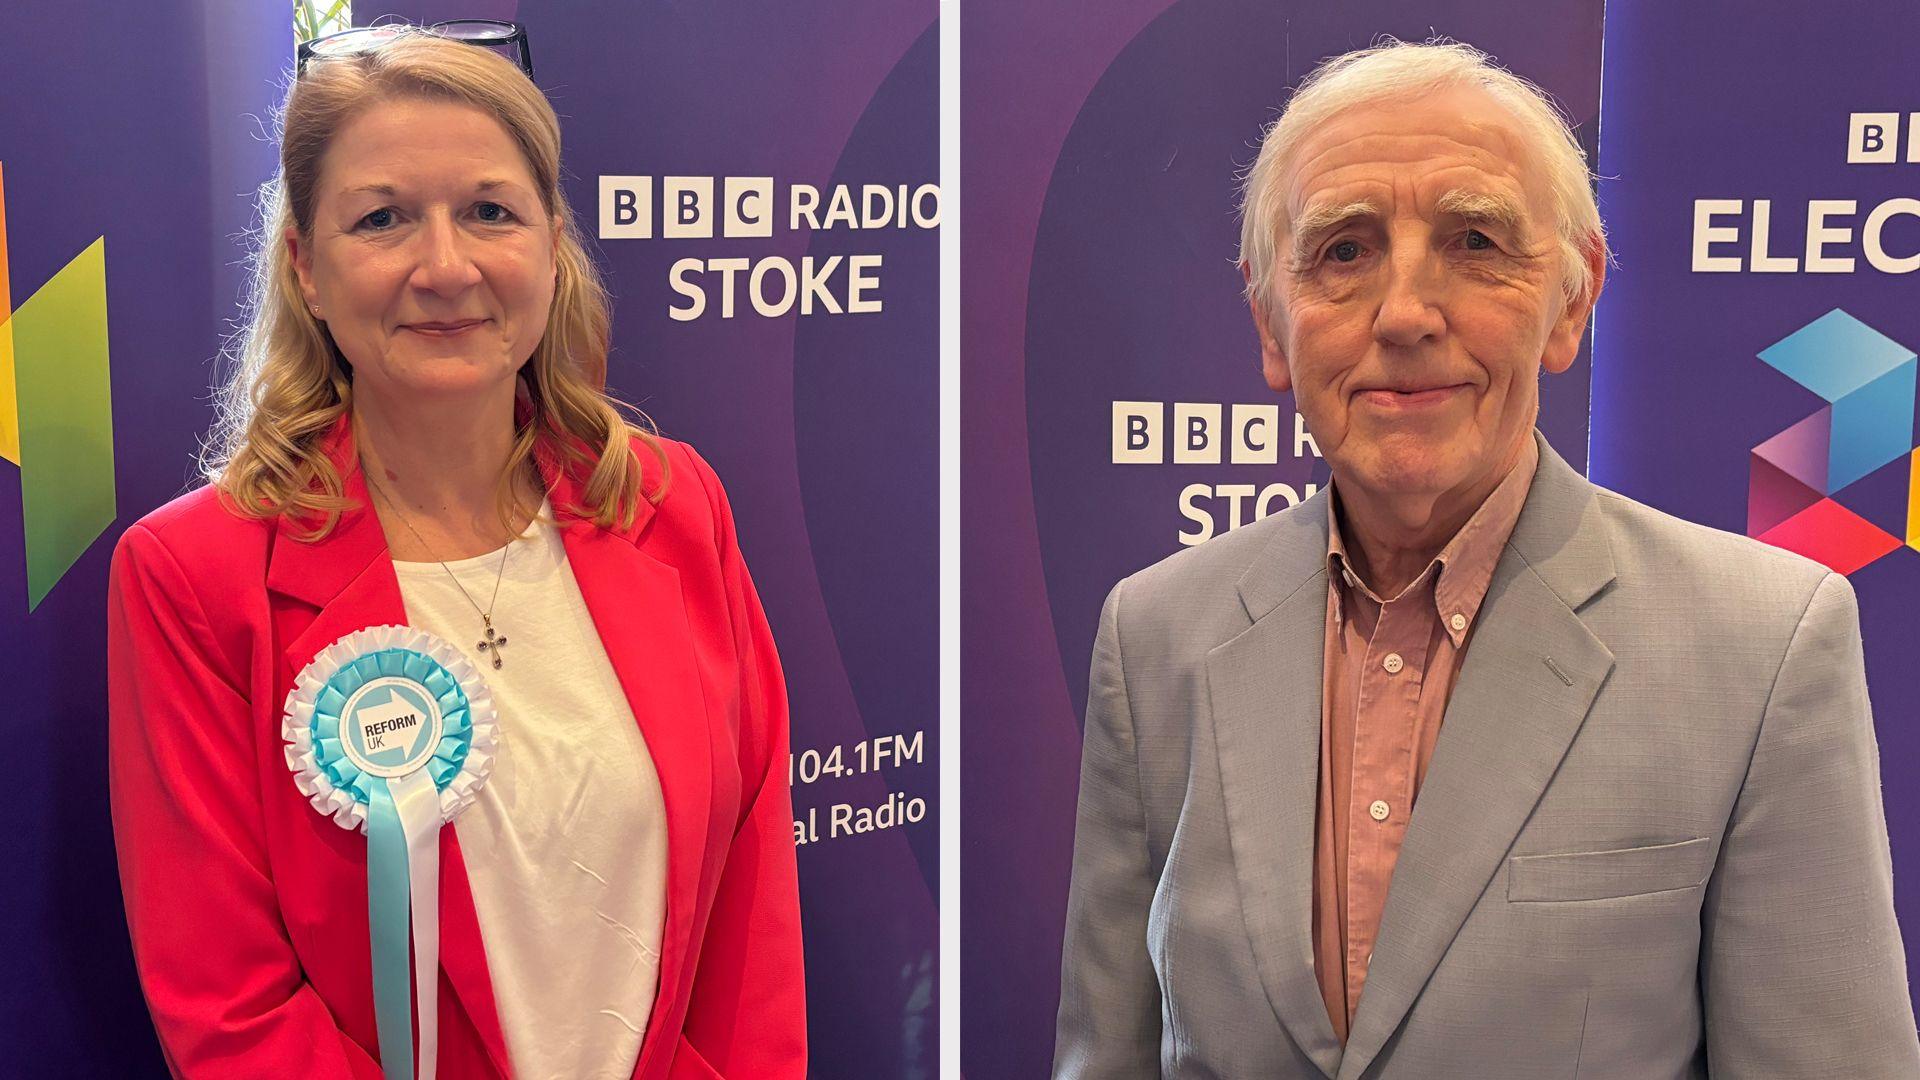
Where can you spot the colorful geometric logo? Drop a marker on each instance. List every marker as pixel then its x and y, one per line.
pixel 1816 487
pixel 56 412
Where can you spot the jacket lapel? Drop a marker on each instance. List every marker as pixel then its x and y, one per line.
pixel 346 577
pixel 349 581
pixel 1263 687
pixel 1531 672
pixel 463 957
pixel 637 607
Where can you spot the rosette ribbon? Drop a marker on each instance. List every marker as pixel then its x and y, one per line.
pixel 391 731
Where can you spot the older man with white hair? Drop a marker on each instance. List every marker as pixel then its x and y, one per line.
pixel 1597 788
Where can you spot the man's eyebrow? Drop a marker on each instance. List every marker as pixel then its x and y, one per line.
pixel 1315 222
pixel 1482 206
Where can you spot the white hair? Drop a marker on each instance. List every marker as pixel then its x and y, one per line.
pixel 1398 70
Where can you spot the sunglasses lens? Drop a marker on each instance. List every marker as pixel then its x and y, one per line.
pixel 350 42
pixel 476 31
pixel 494 36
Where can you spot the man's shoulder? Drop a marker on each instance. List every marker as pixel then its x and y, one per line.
pixel 1229 556
pixel 1649 542
pixel 1675 575
pixel 1203 584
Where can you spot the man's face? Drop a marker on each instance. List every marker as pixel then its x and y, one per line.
pixel 1417 293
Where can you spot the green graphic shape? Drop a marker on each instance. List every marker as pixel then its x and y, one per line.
pixel 66 418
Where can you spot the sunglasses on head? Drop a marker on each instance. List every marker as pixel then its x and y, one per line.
pixel 487 33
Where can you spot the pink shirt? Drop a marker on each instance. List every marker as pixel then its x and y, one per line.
pixel 1389 667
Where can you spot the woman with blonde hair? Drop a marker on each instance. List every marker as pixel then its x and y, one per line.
pixel 447 732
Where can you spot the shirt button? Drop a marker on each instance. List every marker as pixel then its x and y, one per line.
pixel 1393 663
pixel 1458 622
pixel 1379 810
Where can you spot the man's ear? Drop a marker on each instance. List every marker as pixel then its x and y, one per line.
pixel 1563 342
pixel 300 254
pixel 1273 360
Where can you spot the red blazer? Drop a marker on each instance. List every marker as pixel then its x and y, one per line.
pixel 248 909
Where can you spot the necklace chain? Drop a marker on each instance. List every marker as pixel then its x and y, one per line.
pixel 494 641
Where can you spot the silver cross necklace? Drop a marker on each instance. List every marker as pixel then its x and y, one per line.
pixel 494 641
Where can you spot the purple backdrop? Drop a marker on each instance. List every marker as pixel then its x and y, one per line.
pixel 132 122
pixel 1679 394
pixel 822 427
pixel 141 124
pixel 1099 158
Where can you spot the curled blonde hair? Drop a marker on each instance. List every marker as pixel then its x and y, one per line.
pixel 287 384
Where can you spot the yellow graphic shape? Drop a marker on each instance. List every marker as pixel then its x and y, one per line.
pixel 62 384
pixel 9 405
pixel 1913 501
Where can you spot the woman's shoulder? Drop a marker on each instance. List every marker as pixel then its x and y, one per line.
pixel 694 506
pixel 203 517
pixel 197 536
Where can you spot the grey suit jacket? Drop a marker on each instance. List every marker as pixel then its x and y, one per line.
pixel 1650 843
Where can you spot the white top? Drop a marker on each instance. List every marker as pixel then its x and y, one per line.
pixel 566 847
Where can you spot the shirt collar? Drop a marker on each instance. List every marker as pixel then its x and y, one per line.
pixel 1464 567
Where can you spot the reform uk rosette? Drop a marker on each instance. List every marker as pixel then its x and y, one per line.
pixel 391 731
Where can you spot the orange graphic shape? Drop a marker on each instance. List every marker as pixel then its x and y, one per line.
pixel 9 407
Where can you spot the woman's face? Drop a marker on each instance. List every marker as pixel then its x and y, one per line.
pixel 431 259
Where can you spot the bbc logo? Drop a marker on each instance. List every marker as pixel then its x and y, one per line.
pixel 1251 435
pixel 686 208
pixel 1874 138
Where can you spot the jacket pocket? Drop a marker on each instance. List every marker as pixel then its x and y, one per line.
pixel 1602 875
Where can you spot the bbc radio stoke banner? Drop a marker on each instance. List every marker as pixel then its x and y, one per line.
pixel 760 183
pixel 1113 406
pixel 759 186
pixel 761 179
pixel 1755 349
